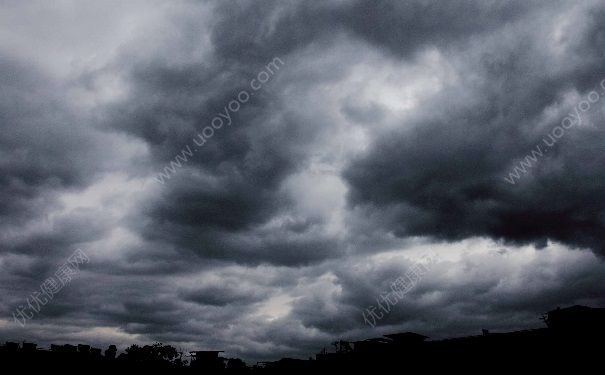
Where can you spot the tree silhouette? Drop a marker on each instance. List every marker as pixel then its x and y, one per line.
pixel 155 353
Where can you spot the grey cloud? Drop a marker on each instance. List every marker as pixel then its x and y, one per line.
pixel 250 32
pixel 444 176
pixel 237 251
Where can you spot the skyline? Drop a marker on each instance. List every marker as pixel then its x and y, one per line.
pixel 255 176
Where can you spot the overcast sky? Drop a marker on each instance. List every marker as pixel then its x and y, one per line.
pixel 355 137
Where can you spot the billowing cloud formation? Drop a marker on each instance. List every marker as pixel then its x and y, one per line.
pixel 252 177
pixel 447 172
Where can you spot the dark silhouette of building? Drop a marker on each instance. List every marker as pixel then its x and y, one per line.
pixel 571 341
pixel 576 320
pixel 29 347
pixel 208 360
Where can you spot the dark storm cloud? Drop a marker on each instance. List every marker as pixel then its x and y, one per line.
pixel 247 161
pixel 222 295
pixel 251 246
pixel 443 176
pixel 247 32
pixel 232 186
pixel 454 297
pixel 34 136
pixel 46 150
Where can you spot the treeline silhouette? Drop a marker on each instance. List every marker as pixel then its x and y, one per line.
pixel 572 340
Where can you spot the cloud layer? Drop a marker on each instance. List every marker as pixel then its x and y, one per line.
pixel 390 131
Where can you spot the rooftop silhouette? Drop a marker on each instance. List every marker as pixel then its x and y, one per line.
pixel 573 337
